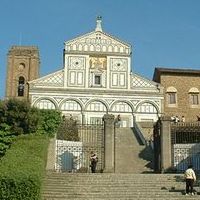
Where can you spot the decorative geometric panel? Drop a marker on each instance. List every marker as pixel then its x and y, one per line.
pixel 76 62
pixel 96 106
pixel 119 64
pixel 71 105
pixel 56 79
pixel 75 77
pixel 109 101
pixel 84 100
pixel 58 99
pixel 134 102
pixel 45 104
pixel 186 154
pixel 118 79
pixel 69 155
pixel 157 102
pixel 121 107
pixel 141 82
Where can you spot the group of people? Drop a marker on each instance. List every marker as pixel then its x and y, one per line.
pixel 176 119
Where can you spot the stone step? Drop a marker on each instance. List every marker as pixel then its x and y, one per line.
pixel 129 154
pixel 60 186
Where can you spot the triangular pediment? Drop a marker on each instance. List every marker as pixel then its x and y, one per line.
pixel 138 81
pixel 97 41
pixel 55 79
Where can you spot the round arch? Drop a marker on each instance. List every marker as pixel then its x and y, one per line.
pixel 45 103
pixel 121 106
pixel 147 107
pixel 71 104
pixel 96 105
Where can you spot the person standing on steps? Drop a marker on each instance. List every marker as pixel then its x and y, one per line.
pixel 119 120
pixel 190 178
pixel 93 162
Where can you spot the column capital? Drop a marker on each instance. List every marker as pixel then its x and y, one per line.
pixel 108 118
pixel 165 118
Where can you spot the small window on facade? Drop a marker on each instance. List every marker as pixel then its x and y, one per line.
pixel 171 98
pixel 97 79
pixel 194 96
pixel 21 82
pixel 194 99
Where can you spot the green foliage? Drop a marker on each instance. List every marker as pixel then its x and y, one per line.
pixel 6 138
pixel 19 115
pixel 22 168
pixel 16 118
pixel 68 130
pixel 49 121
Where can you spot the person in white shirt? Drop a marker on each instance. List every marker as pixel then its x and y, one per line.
pixel 190 178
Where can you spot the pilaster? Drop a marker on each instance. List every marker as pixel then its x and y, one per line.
pixel 109 142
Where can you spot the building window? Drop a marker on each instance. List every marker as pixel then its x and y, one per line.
pixel 21 83
pixel 194 99
pixel 194 96
pixel 97 79
pixel 171 98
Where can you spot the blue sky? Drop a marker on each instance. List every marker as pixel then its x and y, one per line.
pixel 164 33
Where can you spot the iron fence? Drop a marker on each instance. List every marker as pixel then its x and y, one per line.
pixel 74 156
pixel 185 140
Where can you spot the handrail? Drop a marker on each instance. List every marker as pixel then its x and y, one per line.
pixel 138 130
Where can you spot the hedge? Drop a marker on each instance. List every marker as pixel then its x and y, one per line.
pixel 23 167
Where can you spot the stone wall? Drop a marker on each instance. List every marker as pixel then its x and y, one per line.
pixel 183 83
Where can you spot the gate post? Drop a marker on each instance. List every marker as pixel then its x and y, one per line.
pixel 109 138
pixel 51 156
pixel 165 142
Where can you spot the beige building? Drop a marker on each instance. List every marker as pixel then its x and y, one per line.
pixel 181 91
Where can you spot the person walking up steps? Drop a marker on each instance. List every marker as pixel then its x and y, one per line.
pixel 190 178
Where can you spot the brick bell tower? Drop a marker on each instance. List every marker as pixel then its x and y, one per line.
pixel 22 66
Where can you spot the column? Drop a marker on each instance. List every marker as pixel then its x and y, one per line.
pixel 109 143
pixel 165 142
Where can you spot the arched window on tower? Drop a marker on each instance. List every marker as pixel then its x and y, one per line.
pixel 21 83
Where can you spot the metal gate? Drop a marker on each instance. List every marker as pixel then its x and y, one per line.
pixel 185 140
pixel 74 155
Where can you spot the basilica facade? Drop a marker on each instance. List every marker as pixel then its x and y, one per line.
pixel 97 79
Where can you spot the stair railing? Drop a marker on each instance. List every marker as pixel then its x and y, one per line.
pixel 139 133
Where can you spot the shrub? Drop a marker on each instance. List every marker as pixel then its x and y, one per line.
pixel 19 115
pixel 6 138
pixel 22 168
pixel 49 121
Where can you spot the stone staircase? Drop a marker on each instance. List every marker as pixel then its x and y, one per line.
pixel 133 178
pixel 130 156
pixel 66 186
